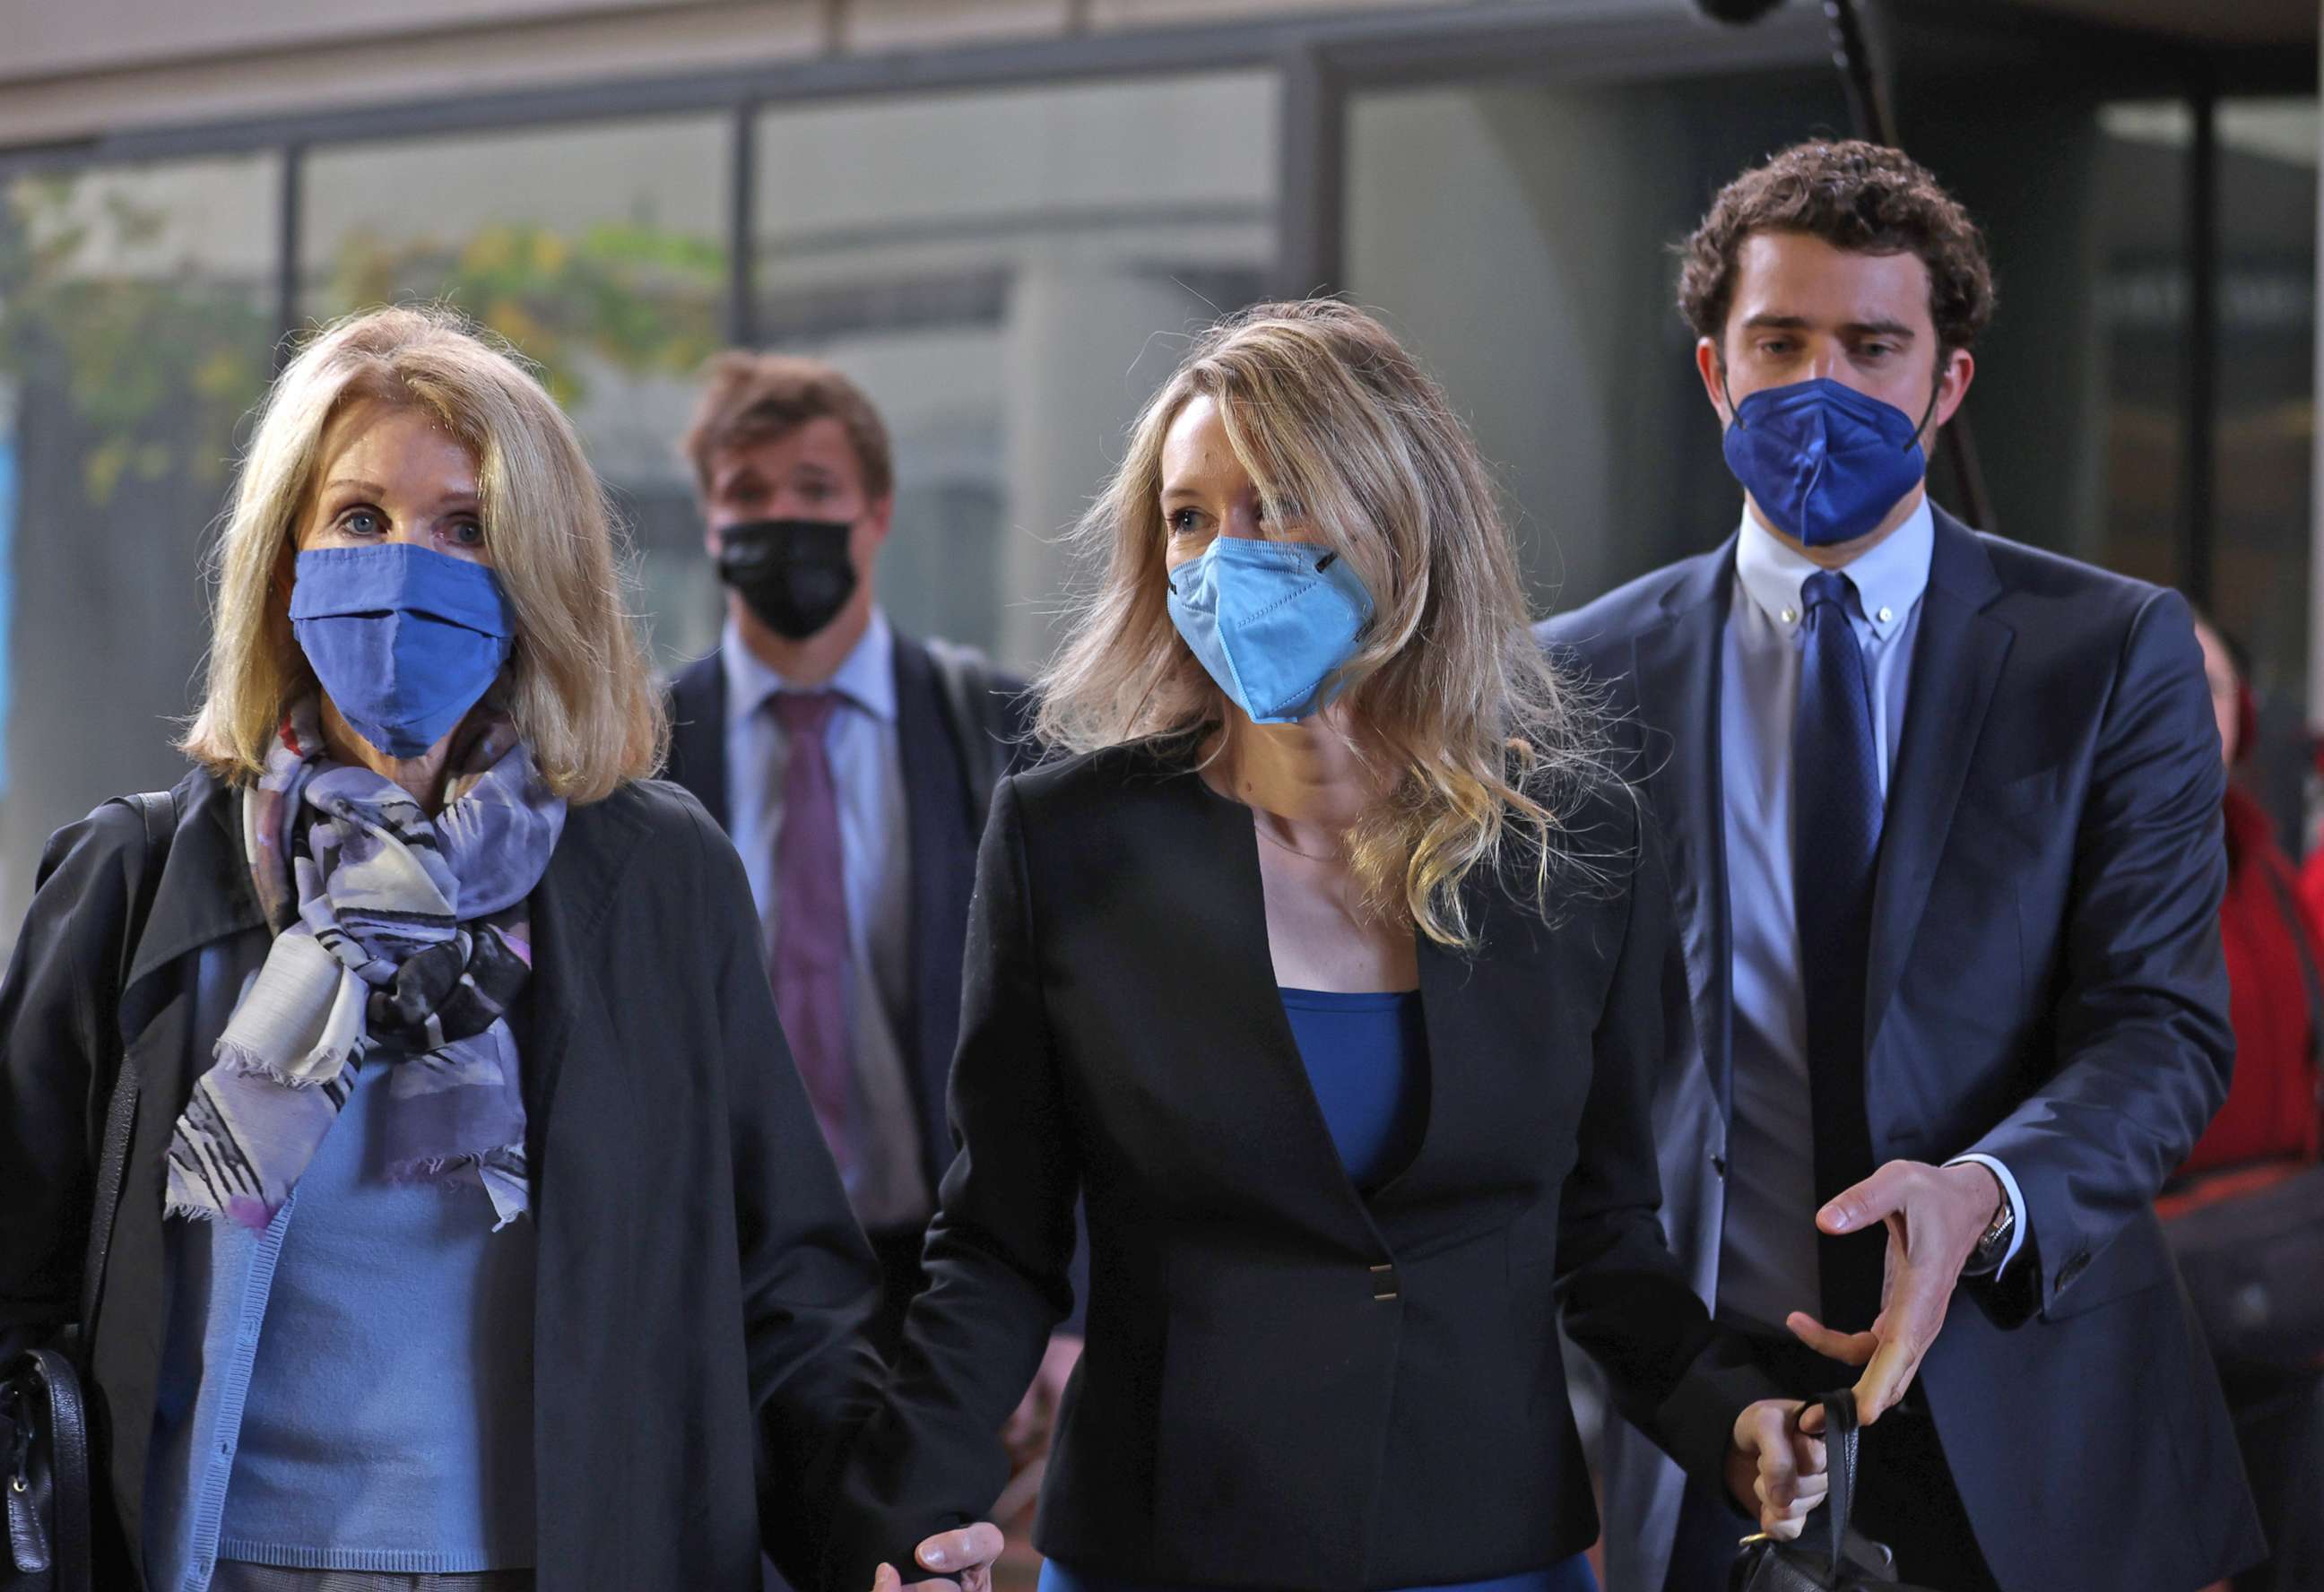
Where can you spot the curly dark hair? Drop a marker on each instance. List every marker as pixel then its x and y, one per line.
pixel 1856 196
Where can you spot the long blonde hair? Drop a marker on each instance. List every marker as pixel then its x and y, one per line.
pixel 577 684
pixel 1487 746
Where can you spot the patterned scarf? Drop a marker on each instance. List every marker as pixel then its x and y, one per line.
pixel 397 938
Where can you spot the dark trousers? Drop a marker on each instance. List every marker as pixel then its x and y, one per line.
pixel 1905 1496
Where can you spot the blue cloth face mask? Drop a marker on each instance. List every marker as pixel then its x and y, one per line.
pixel 403 639
pixel 1274 622
pixel 1824 462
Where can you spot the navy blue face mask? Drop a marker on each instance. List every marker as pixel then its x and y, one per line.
pixel 404 639
pixel 1824 462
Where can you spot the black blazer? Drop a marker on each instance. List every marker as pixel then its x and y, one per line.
pixel 703 1289
pixel 942 818
pixel 2044 985
pixel 1285 1384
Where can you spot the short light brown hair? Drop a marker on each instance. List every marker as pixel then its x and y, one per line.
pixel 752 398
pixel 1860 197
pixel 1489 746
pixel 578 685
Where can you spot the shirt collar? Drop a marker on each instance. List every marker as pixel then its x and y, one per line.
pixel 866 677
pixel 1888 580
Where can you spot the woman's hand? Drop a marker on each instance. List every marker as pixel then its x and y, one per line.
pixel 1776 1466
pixel 966 1555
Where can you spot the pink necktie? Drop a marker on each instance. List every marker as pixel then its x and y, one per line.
pixel 810 960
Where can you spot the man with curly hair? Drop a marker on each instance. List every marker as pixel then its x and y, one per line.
pixel 1945 840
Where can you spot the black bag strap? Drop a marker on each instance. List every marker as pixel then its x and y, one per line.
pixel 2296 923
pixel 159 809
pixel 964 681
pixel 1842 1437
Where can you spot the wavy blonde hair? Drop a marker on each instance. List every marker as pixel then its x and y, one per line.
pixel 577 684
pixel 1343 433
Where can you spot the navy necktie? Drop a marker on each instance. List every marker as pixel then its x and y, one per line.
pixel 1835 858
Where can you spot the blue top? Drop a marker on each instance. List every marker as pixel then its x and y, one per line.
pixel 351 1389
pixel 1367 1057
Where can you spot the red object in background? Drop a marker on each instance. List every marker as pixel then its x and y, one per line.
pixel 2271 1110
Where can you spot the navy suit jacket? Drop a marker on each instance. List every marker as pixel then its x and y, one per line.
pixel 2045 985
pixel 943 819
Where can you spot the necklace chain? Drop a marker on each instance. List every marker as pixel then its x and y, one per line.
pixel 1260 828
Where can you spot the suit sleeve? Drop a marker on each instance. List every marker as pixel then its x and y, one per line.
pixel 810 1285
pixel 999 1252
pixel 1672 1373
pixel 59 1048
pixel 2144 1046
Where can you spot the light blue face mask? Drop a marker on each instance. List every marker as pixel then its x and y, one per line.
pixel 1274 622
pixel 404 639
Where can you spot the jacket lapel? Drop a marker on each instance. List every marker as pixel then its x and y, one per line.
pixel 1246 1068
pixel 1956 661
pixel 1677 667
pixel 942 860
pixel 205 892
pixel 568 910
pixel 698 734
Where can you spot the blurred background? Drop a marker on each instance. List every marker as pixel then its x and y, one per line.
pixel 1002 217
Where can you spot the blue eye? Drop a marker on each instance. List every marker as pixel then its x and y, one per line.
pixel 468 534
pixel 360 522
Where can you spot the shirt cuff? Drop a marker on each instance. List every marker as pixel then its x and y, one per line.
pixel 2010 1191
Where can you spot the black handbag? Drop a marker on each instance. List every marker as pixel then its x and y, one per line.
pixel 45 1430
pixel 1843 1559
pixel 2249 1241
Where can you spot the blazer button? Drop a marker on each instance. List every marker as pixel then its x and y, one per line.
pixel 1383 1282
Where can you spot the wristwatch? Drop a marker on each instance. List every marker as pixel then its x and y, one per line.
pixel 1994 1247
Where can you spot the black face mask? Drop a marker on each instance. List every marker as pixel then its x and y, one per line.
pixel 795 573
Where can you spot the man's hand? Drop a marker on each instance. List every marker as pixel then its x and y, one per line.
pixel 966 1555
pixel 1935 1216
pixel 1027 1434
pixel 1775 1468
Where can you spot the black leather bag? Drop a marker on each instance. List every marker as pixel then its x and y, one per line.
pixel 48 1475
pixel 2249 1241
pixel 45 1430
pixel 1831 1555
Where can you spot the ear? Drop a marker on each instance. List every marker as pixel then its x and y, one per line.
pixel 1960 369
pixel 1714 378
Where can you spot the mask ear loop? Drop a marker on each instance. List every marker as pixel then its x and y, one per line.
pixel 1734 414
pixel 1934 393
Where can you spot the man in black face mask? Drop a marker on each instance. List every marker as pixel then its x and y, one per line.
pixel 852 766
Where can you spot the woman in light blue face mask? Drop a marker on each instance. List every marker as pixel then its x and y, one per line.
pixel 469 1224
pixel 1326 975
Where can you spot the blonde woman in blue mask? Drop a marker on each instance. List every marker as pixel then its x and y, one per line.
pixel 1326 972
pixel 465 1225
